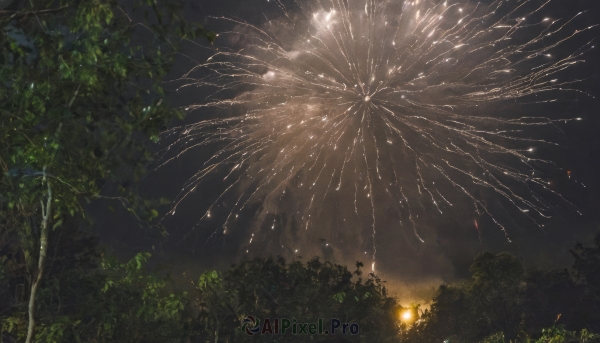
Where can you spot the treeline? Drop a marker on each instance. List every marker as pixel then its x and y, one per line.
pixel 82 100
pixel 512 303
pixel 87 296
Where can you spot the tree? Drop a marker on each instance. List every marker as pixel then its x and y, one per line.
pixel 551 335
pixel 128 304
pixel 80 94
pixel 586 269
pixel 305 292
pixel 495 287
pixel 89 296
pixel 71 254
pixel 551 297
pixel 468 312
pixel 503 301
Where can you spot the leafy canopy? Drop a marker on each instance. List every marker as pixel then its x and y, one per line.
pixel 81 92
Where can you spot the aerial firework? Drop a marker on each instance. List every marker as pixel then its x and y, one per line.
pixel 339 119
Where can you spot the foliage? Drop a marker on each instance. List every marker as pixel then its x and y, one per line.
pixel 502 301
pixel 109 301
pixel 130 305
pixel 272 288
pixel 72 253
pixel 551 335
pixel 81 98
pixel 92 298
pixel 79 94
pixel 586 269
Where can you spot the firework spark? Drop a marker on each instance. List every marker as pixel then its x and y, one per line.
pixel 342 112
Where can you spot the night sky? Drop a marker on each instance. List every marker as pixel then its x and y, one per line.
pixel 454 239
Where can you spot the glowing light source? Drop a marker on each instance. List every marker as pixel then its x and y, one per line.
pixel 428 135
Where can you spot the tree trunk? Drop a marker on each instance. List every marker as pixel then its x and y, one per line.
pixel 46 211
pixel 217 331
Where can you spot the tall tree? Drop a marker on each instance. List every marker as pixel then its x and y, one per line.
pixel 296 291
pixel 587 271
pixel 80 95
pixel 509 302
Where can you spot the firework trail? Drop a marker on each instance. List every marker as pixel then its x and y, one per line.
pixel 357 116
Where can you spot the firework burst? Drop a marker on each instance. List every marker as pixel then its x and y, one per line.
pixel 357 116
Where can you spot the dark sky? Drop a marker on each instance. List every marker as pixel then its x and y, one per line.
pixel 189 247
